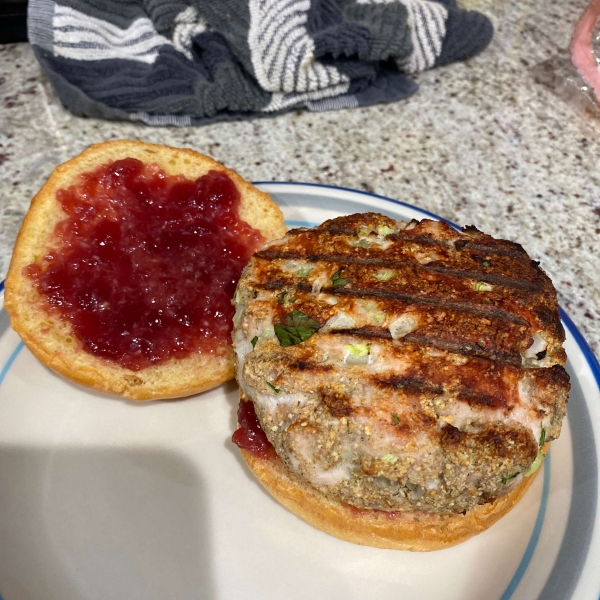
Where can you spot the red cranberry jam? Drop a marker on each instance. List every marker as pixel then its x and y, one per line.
pixel 250 435
pixel 145 264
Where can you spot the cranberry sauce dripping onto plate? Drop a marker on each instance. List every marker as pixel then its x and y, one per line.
pixel 250 435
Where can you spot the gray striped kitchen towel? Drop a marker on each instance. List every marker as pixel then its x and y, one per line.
pixel 189 62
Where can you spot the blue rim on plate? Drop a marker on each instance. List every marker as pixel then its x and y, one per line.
pixel 368 194
pixel 565 574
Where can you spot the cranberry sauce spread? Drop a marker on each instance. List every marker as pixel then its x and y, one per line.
pixel 250 435
pixel 145 264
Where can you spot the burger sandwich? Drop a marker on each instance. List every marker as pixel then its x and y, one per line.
pixel 400 382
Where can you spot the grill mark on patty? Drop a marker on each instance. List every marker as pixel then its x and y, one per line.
pixel 465 349
pixel 486 248
pixel 422 385
pixel 467 306
pixel 459 244
pixel 462 348
pixel 304 365
pixel 475 400
pixel 408 384
pixel 478 400
pixel 519 284
pixel 500 280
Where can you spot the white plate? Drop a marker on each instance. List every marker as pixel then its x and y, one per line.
pixel 102 498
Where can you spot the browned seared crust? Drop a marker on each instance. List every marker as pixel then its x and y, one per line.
pixel 437 274
pixel 416 531
pixel 51 340
pixel 431 372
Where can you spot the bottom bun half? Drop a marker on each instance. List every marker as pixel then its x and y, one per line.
pixel 415 531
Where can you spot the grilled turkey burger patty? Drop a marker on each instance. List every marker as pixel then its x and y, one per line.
pixel 401 366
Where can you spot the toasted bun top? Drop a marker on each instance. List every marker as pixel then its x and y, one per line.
pixel 51 339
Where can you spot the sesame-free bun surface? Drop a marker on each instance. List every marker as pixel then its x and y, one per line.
pixel 415 531
pixel 51 339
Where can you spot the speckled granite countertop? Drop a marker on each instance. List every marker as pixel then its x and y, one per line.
pixel 481 143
